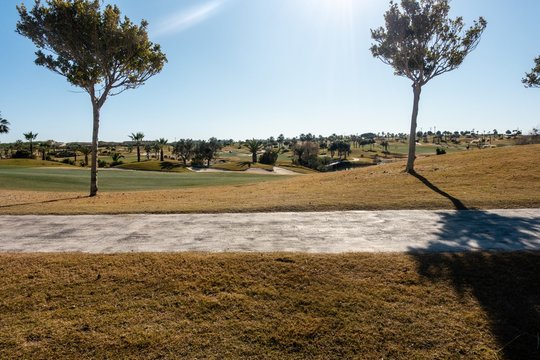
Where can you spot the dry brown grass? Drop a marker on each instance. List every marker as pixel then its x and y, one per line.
pixel 273 306
pixel 492 178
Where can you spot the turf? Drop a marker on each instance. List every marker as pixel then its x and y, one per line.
pixel 486 179
pixel 272 306
pixel 31 163
pixel 75 179
pixel 164 166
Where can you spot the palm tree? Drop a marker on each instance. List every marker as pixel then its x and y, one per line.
pixel 85 150
pixel 74 147
pixel 161 142
pixel 4 128
pixel 30 136
pixel 44 148
pixel 156 147
pixel 148 149
pixel 253 146
pixel 137 137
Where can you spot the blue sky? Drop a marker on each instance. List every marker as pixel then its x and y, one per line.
pixel 257 68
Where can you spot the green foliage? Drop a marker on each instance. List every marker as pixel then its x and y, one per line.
pixel 4 125
pixel 185 149
pixel 306 154
pixel 205 151
pixel 440 151
pixel 161 144
pixel 116 159
pixel 137 138
pixel 90 46
pixel 420 42
pixel 254 146
pixel 102 163
pixel 95 49
pixel 532 79
pixel 269 157
pixel 342 148
pixel 23 154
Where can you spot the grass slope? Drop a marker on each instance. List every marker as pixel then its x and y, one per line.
pixel 30 163
pixel 492 178
pixel 271 306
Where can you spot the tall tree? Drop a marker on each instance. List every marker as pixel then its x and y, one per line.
pixel 138 138
pixel 162 142
pixel 185 149
pixel 96 49
pixel 532 79
pixel 254 146
pixel 419 41
pixel 4 125
pixel 30 136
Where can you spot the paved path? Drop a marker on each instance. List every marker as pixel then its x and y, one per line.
pixel 324 232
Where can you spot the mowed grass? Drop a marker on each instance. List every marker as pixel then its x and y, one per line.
pixel 31 163
pixel 72 179
pixel 152 165
pixel 241 166
pixel 271 306
pixel 492 178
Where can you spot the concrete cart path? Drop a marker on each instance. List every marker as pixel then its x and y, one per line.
pixel 321 232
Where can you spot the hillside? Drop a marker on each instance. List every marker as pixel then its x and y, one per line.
pixel 491 178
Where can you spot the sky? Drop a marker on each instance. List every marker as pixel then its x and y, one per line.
pixel 257 68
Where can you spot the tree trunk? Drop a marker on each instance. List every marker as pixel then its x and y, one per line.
pixel 161 155
pixel 93 169
pixel 138 153
pixel 417 89
pixel 254 157
pixel 86 159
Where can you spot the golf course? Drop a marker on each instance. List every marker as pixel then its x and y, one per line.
pixel 270 179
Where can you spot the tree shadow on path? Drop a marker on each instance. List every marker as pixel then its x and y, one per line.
pixel 506 283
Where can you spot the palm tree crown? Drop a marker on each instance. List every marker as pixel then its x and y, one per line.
pixel 4 128
pixel 254 146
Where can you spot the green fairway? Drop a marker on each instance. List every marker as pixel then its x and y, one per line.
pixel 75 179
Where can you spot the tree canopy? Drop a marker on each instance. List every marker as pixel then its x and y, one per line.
pixel 419 41
pixel 4 125
pixel 99 51
pixel 95 49
pixel 532 79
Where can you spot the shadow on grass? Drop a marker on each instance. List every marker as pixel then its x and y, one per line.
pixel 457 203
pixel 505 284
pixel 42 202
pixel 168 165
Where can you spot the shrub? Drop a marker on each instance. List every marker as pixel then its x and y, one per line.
pixel 116 163
pixel 68 161
pixel 197 162
pixel 22 154
pixel 441 151
pixel 102 163
pixel 269 157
